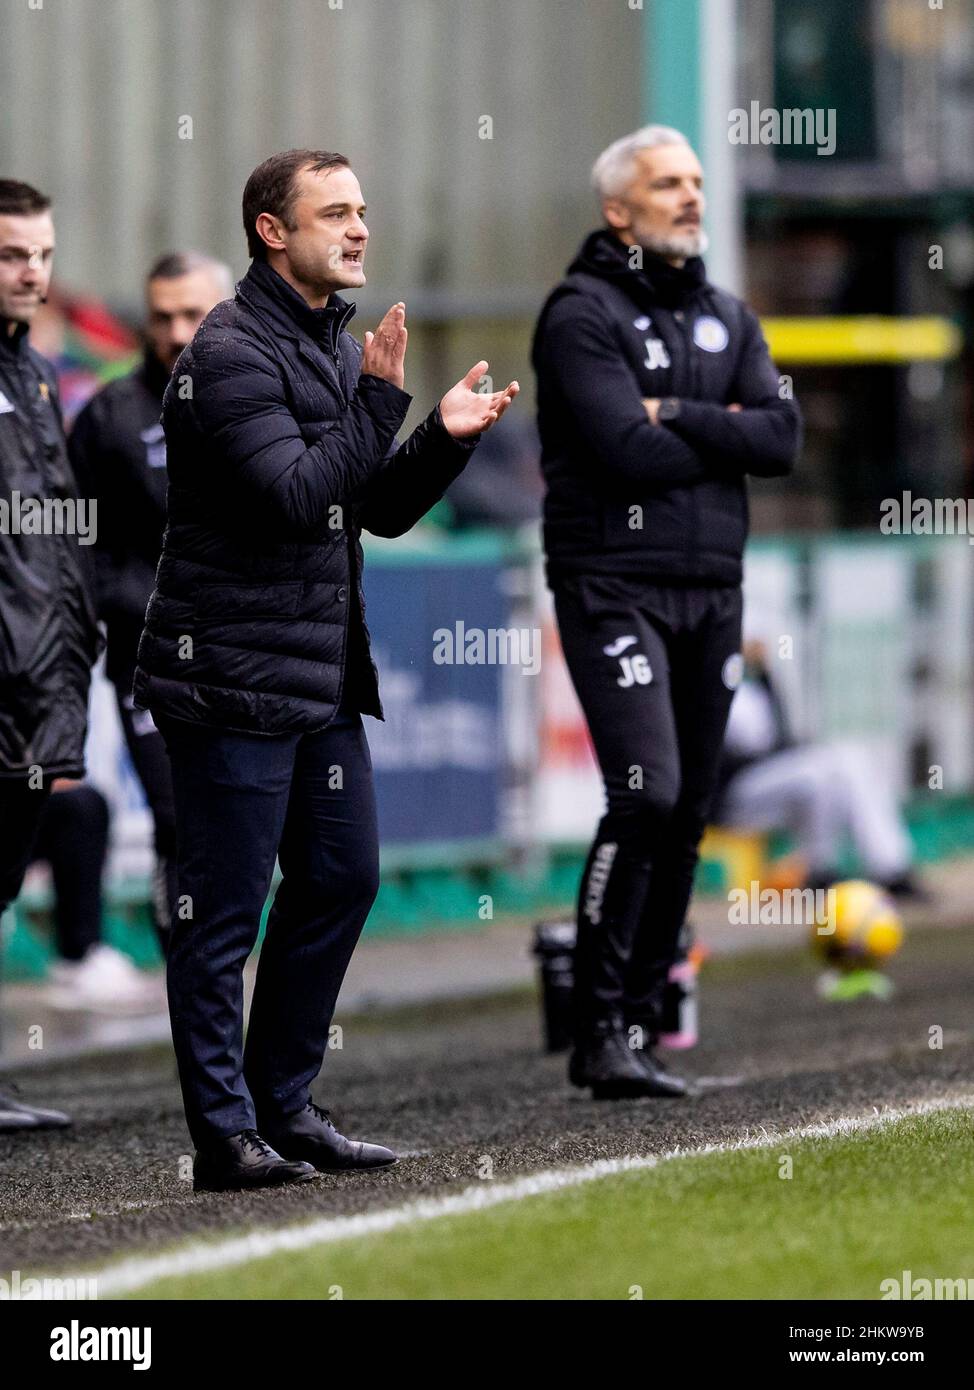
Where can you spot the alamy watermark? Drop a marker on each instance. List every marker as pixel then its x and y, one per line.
pixel 754 906
pixel 757 125
pixel 50 516
pixel 77 1343
pixel 907 515
pixel 492 646
pixel 924 1290
pixel 17 1289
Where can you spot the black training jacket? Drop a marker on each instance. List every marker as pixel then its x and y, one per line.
pixel 666 501
pixel 48 628
pixel 279 454
pixel 118 451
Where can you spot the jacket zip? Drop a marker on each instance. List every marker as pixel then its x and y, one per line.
pixel 692 547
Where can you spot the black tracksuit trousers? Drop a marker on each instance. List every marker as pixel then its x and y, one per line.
pixel 654 667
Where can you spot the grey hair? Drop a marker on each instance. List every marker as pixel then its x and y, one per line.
pixel 176 263
pixel 613 168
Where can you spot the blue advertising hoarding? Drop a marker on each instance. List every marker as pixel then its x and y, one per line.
pixel 438 757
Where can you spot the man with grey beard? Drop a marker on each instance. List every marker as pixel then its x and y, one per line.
pixel 656 399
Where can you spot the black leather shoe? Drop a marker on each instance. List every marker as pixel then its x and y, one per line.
pixel 661 1081
pixel 15 1115
pixel 311 1135
pixel 243 1161
pixel 605 1062
pixel 643 1035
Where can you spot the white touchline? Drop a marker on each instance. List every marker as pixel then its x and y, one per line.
pixel 129 1275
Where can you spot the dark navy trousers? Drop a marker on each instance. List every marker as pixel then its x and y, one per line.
pixel 243 800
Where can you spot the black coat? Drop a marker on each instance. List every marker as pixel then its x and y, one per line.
pixel 668 501
pixel 279 454
pixel 118 451
pixel 48 629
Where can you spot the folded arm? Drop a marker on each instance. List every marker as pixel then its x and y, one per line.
pixel 601 397
pixel 763 437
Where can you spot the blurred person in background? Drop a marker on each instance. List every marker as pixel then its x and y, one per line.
pixel 822 792
pixel 85 342
pixel 48 627
pixel 255 659
pixel 118 450
pixel 88 973
pixel 504 487
pixel 656 399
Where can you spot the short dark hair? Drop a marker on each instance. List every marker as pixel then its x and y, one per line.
pixel 20 199
pixel 175 264
pixel 271 188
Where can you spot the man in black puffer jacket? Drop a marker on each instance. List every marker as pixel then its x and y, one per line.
pixel 255 663
pixel 656 397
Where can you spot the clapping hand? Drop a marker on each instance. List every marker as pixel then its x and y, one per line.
pixel 466 412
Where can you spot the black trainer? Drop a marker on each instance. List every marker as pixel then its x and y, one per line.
pixel 243 1161
pixel 311 1135
pixel 15 1115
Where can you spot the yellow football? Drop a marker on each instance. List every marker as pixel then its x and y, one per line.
pixel 863 924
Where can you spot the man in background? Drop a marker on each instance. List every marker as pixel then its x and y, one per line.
pixel 656 399
pixel 88 972
pixel 118 450
pixel 49 632
pixel 824 792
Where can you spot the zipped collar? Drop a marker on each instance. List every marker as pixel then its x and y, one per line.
pixel 153 375
pixel 13 344
pixel 657 282
pixel 270 296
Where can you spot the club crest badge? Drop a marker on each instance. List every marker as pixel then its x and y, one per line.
pixel 733 671
pixel 710 334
